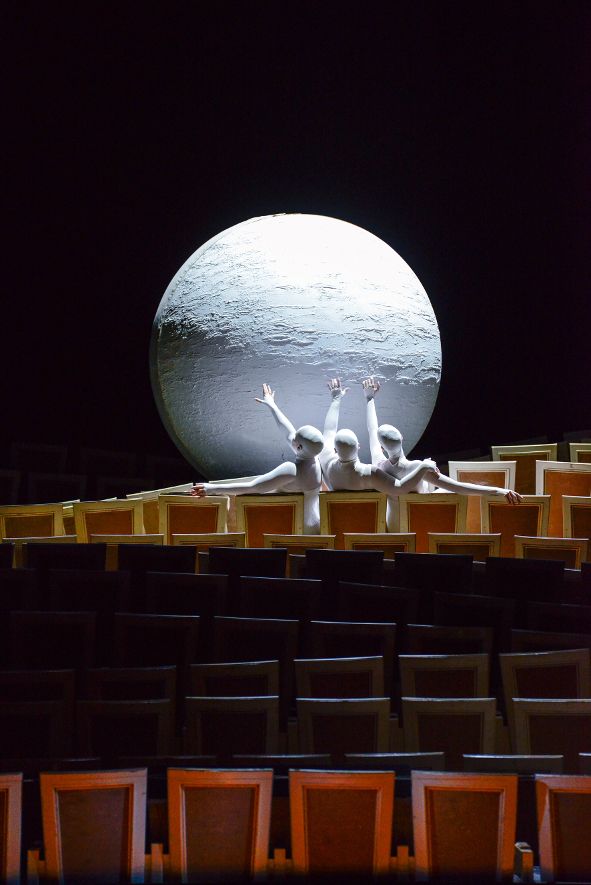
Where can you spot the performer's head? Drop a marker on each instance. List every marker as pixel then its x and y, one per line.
pixel 391 442
pixel 346 445
pixel 308 442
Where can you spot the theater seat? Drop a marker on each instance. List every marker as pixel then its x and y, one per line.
pixel 218 824
pixel 11 798
pixel 226 726
pixel 341 823
pixel 564 823
pixel 464 826
pixel 94 827
pixel 454 727
pixel 553 726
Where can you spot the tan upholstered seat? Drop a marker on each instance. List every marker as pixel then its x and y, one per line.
pixel 390 542
pixel 477 545
pixel 113 542
pixel 298 544
pixel 572 551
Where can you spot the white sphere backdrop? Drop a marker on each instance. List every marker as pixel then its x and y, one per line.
pixel 291 300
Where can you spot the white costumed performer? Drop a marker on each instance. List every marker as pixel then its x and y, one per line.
pixel 385 443
pixel 341 467
pixel 303 477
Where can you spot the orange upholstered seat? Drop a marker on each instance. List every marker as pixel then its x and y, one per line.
pixel 11 787
pixel 94 826
pixel 107 518
pixel 558 478
pixel 497 474
pixel 464 826
pixel 525 457
pixel 218 824
pixel 346 512
pixel 576 512
pixel 529 517
pixel 580 452
pixel 341 823
pixel 36 520
pixel 260 515
pixel 183 515
pixel 564 819
pixel 437 512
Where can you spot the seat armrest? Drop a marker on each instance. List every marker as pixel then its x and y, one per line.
pixel 524 862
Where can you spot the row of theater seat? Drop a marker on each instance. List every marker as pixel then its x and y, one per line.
pixel 247 824
pixel 226 726
pixel 385 651
pixel 536 579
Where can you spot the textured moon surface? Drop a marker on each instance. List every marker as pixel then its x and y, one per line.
pixel 291 300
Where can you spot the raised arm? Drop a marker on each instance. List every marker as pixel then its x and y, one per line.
pixel 470 488
pixel 273 481
pixel 331 422
pixel 370 388
pixel 282 421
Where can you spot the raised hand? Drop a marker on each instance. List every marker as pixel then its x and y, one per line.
pixel 268 396
pixel 370 387
pixel 336 388
pixel 198 491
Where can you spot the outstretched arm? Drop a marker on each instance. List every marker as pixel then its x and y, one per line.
pixel 370 388
pixel 383 482
pixel 282 421
pixel 470 488
pixel 272 481
pixel 331 422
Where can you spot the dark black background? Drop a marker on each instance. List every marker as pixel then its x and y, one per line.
pixel 457 132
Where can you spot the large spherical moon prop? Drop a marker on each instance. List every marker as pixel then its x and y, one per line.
pixel 292 300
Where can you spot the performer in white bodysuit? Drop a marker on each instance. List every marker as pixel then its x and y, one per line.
pixel 386 440
pixel 341 467
pixel 302 477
